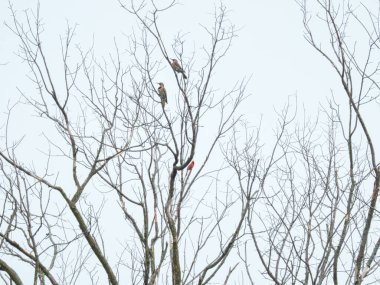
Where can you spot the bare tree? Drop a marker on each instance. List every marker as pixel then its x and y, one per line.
pixel 171 185
pixel 113 143
pixel 320 225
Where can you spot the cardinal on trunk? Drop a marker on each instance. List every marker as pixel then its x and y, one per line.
pixel 190 166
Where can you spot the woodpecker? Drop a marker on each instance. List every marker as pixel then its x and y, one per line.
pixel 177 67
pixel 190 166
pixel 162 93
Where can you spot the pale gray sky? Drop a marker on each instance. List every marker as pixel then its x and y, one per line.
pixel 270 44
pixel 270 47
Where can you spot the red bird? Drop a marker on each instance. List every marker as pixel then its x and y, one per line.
pixel 190 166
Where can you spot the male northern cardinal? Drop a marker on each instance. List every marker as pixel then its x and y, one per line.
pixel 162 93
pixel 190 166
pixel 177 67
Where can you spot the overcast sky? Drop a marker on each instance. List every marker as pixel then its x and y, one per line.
pixel 270 46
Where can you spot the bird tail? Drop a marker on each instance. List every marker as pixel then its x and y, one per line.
pixel 184 75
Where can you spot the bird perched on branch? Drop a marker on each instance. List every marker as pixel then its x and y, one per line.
pixel 162 93
pixel 190 166
pixel 178 68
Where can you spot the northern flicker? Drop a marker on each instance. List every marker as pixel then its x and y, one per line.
pixel 178 68
pixel 162 93
pixel 190 166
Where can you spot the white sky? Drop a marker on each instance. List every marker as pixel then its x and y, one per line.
pixel 270 47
